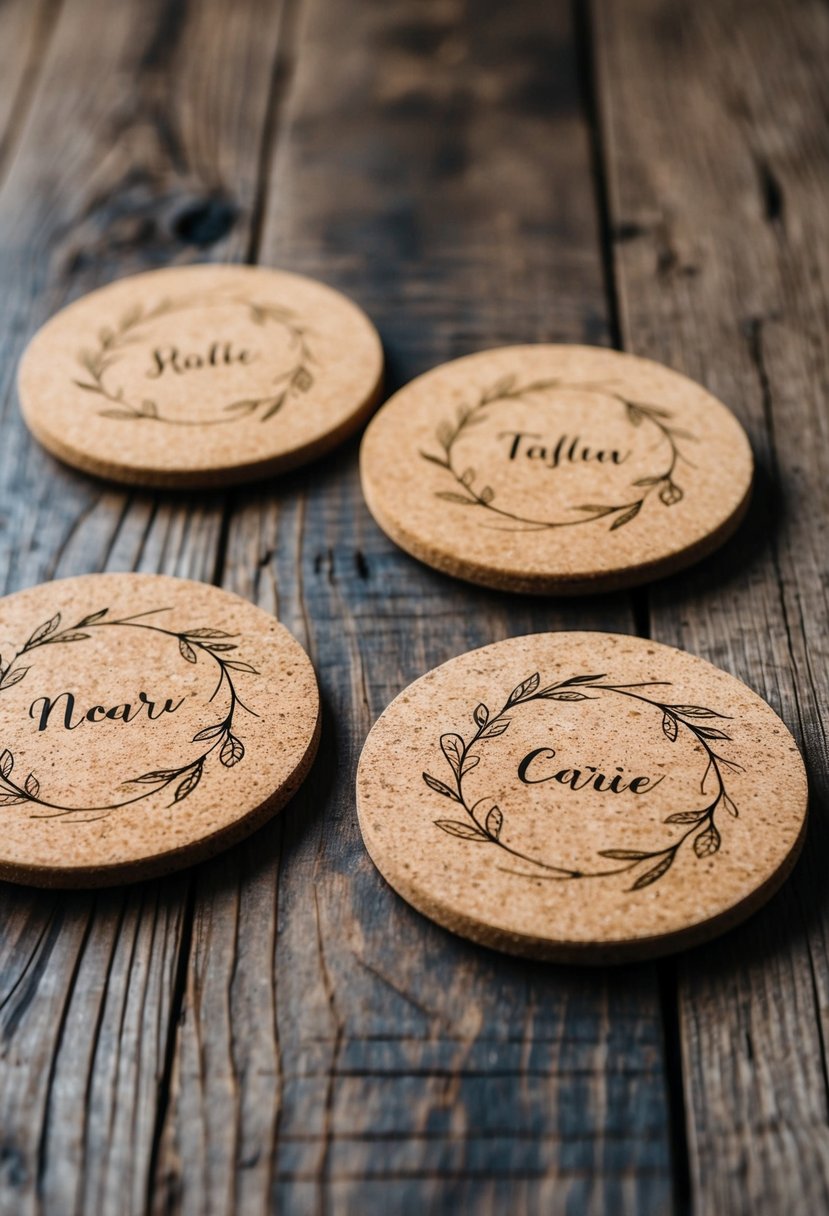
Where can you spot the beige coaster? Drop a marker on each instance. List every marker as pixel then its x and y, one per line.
pixel 582 797
pixel 200 376
pixel 556 469
pixel 146 722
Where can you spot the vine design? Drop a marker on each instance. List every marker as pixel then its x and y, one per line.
pixel 486 826
pixel 637 412
pixel 111 344
pixel 215 644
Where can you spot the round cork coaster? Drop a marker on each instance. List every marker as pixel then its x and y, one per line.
pixel 200 376
pixel 557 469
pixel 582 797
pixel 146 723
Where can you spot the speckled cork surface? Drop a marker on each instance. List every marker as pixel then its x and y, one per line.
pixel 146 722
pixel 200 376
pixel 556 469
pixel 582 797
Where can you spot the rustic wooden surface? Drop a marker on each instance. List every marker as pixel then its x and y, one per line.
pixel 276 1031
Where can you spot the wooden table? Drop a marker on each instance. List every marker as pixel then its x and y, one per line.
pixel 276 1030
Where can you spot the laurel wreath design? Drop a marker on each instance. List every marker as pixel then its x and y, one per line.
pixel 98 361
pixel 470 493
pixel 214 644
pixel 484 821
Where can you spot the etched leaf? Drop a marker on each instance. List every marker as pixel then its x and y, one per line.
pixel 452 747
pixel 655 873
pixel 186 650
pixel 92 618
pixel 68 637
pixel 730 806
pixel 435 459
pixel 6 763
pixel 494 822
pixel 686 817
pixel 648 481
pixel 708 732
pixel 469 763
pixel 626 517
pixel 481 715
pixel 558 695
pixel 44 631
pixel 149 409
pixel 486 495
pixel 445 435
pixel 456 827
pixel 582 680
pixel 125 413
pixel 467 477
pixel 32 786
pixel 623 854
pixel 233 750
pixel 525 689
pixel 449 496
pixel 670 727
pixel 495 728
pixel 707 842
pixel 275 406
pixel 237 665
pixel 186 787
pixel 209 732
pixel 208 633
pixel 10 800
pixel 695 711
pixel 215 647
pixel 303 379
pixel 153 778
pixel 440 787
pixel 13 677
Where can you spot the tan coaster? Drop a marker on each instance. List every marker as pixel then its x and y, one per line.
pixel 200 376
pixel 556 469
pixel 146 722
pixel 582 797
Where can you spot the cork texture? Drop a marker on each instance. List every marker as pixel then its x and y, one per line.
pixel 200 376
pixel 582 797
pixel 146 722
pixel 556 469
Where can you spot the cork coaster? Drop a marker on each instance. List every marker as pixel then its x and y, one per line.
pixel 582 797
pixel 146 723
pixel 557 469
pixel 200 376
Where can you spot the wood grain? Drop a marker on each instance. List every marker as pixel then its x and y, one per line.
pixel 337 1052
pixel 715 126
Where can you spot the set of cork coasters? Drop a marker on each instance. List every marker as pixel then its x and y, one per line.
pixel 580 797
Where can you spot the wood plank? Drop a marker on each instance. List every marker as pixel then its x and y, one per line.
pixel 715 126
pixel 137 148
pixel 338 1052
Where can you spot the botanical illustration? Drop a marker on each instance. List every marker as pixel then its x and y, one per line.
pixel 99 363
pixel 195 645
pixel 469 492
pixel 482 822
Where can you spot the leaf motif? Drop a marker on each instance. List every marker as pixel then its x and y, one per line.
pixel 186 787
pixel 275 407
pixel 449 496
pixel 435 459
pixel 90 388
pixel 695 711
pixel 32 786
pixel 6 763
pixel 566 696
pixel 486 495
pixel 730 806
pixel 495 728
pixel 707 842
pixel 469 763
pixel 494 822
pixel 119 414
pixel 481 715
pixel 440 787
pixel 209 732
pixel 708 732
pixel 232 751
pixel 13 677
pixel 216 647
pixel 686 817
pixel 623 854
pixel 525 689
pixel 467 477
pixel 149 409
pixel 655 873
pixel 44 631
pixel 445 435
pixel 626 517
pixel 186 650
pixel 160 774
pixel 92 618
pixel 456 827
pixel 237 665
pixel 670 727
pixel 67 637
pixel 452 747
pixel 10 800
pixel 582 680
pixel 596 508
pixel 208 633
pixel 647 481
pixel 635 415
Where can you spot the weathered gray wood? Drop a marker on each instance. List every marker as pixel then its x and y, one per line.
pixel 337 1052
pixel 715 126
pixel 132 145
